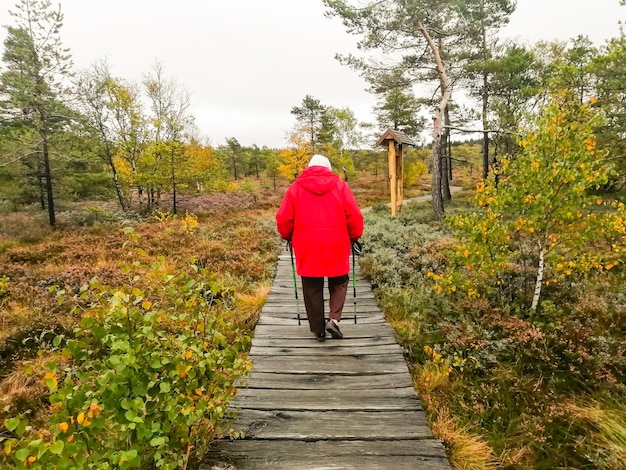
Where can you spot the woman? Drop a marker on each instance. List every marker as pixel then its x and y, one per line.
pixel 320 218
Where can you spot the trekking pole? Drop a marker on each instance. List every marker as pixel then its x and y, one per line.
pixel 295 284
pixel 356 250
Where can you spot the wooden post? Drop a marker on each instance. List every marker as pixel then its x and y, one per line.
pixel 393 177
pixel 400 178
pixel 395 141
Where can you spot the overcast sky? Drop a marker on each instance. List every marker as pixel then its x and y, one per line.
pixel 246 63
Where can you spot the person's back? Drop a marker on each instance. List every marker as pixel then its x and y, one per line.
pixel 320 217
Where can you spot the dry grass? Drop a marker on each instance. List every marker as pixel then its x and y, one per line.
pixel 24 384
pixel 609 435
pixel 248 306
pixel 432 377
pixel 24 225
pixel 466 451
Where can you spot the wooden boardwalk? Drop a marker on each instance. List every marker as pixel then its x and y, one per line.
pixel 341 404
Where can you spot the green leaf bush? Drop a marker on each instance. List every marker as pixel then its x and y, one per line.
pixel 146 375
pixel 543 387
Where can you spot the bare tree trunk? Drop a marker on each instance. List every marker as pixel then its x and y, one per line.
pixel 140 200
pixel 539 280
pixel 438 134
pixel 40 177
pixel 235 167
pixel 116 184
pixel 173 186
pixel 485 97
pixel 449 154
pixel 48 176
pixel 446 162
pixel 445 182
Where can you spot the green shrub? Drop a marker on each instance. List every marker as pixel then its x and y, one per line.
pixel 512 377
pixel 149 372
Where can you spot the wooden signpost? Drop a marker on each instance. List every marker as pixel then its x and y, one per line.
pixel 395 141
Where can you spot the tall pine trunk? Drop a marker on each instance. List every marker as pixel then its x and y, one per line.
pixel 47 172
pixel 485 97
pixel 48 177
pixel 438 120
pixel 446 161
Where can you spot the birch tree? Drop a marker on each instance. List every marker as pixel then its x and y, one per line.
pixel 94 104
pixel 543 220
pixel 170 118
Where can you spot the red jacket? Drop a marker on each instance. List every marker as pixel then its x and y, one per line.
pixel 320 216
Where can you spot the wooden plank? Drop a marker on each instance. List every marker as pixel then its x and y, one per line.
pixel 285 287
pixel 334 348
pixel 294 331
pixel 291 307
pixel 305 341
pixel 310 425
pixel 287 290
pixel 397 399
pixel 339 404
pixel 292 312
pixel 288 298
pixel 288 295
pixel 348 365
pixel 346 318
pixel 283 381
pixel 273 320
pixel 328 454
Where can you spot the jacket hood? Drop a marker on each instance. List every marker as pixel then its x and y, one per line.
pixel 317 180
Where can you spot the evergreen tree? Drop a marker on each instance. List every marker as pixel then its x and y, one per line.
pixel 312 118
pixel 32 88
pixel 611 93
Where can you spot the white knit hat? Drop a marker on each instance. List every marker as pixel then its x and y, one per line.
pixel 320 160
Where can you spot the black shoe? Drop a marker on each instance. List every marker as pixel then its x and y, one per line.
pixel 320 337
pixel 334 330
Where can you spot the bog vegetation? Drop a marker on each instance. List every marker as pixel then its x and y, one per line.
pixel 513 311
pixel 122 343
pixel 135 255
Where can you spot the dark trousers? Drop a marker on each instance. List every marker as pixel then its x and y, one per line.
pixel 313 290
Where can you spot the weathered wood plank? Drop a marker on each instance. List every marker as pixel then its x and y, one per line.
pixel 348 365
pixel 274 320
pixel 396 399
pixel 347 317
pixel 286 286
pixel 329 454
pixel 362 310
pixel 282 381
pixel 339 404
pixel 315 425
pixel 334 348
pixel 305 342
pixel 294 331
pixel 363 299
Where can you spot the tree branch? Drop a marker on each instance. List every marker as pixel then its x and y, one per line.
pixel 496 131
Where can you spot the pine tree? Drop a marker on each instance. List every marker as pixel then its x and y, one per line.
pixel 32 86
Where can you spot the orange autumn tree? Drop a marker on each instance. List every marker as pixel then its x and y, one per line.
pixel 202 170
pixel 540 219
pixel 296 157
